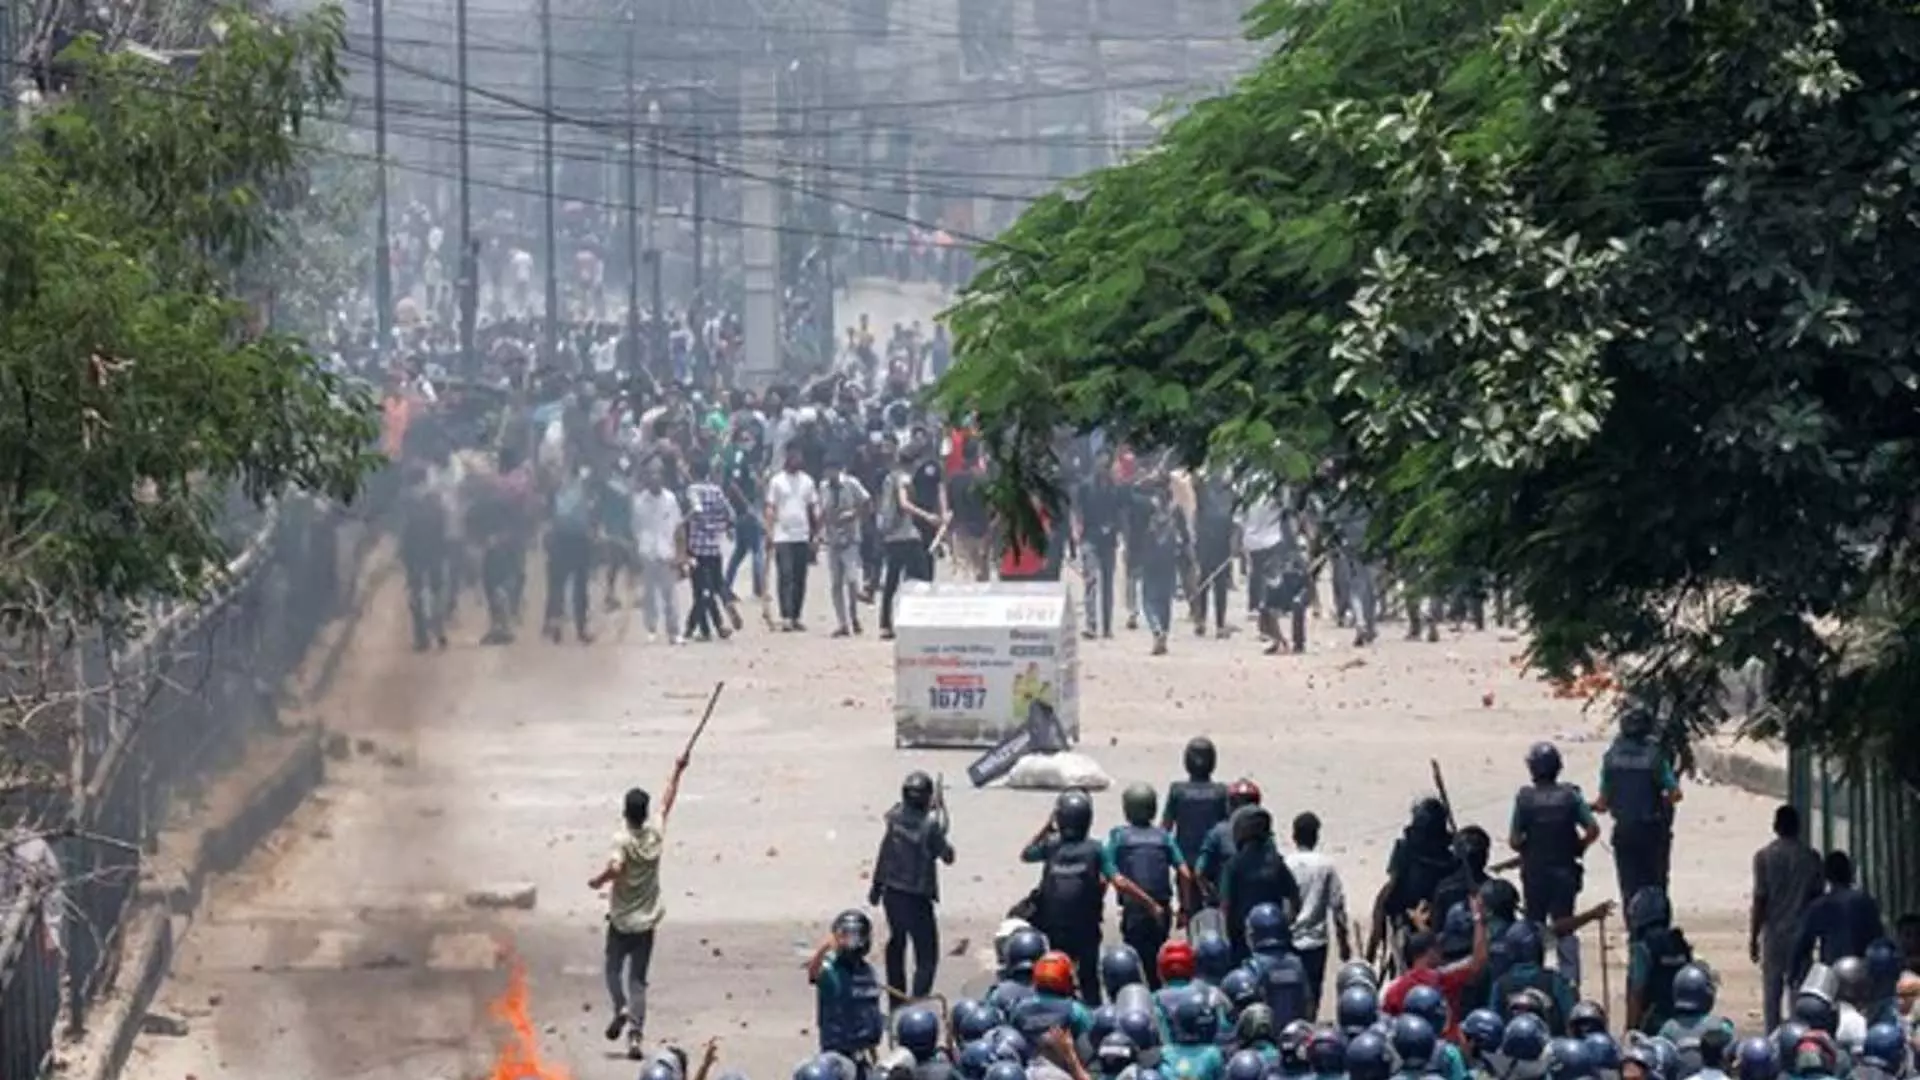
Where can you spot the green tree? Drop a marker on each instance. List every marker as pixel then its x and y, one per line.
pixel 1603 299
pixel 136 390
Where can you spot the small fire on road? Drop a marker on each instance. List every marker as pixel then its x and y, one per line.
pixel 519 1056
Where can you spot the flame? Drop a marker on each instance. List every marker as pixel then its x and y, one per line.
pixel 519 1056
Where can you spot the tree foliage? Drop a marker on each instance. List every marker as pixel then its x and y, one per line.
pixel 1603 299
pixel 136 391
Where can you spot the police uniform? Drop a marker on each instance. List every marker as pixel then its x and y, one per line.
pixel 1634 780
pixel 850 1012
pixel 1548 818
pixel 1194 807
pixel 1149 858
pixel 1069 906
pixel 907 877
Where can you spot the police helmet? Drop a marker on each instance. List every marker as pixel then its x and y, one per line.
pixel 853 931
pixel 1525 1038
pixel 1115 1052
pixel 1649 909
pixel 1148 1072
pixel 976 1057
pixel 1884 964
pixel 1190 1018
pixel 917 789
pixel 1073 814
pixel 1603 1050
pixel 1006 1070
pixel 1100 1025
pixel 1327 1052
pixel 1268 927
pixel 1175 961
pixel 1523 943
pixel 1413 1041
pixel 1053 973
pixel 1543 762
pixel 1428 1004
pixel 1140 1025
pixel 1212 957
pixel 1200 757
pixel 1643 1054
pixel 1254 1024
pixel 1482 1030
pixel 1355 973
pixel 1242 989
pixel 1586 1018
pixel 660 1070
pixel 1852 983
pixel 1756 1059
pixel 1136 996
pixel 1567 1059
pixel 1637 718
pixel 1369 1057
pixel 1242 792
pixel 1693 990
pixel 1292 1044
pixel 1247 1065
pixel 1138 804
pixel 1008 1045
pixel 1355 1010
pixel 1024 949
pixel 971 1019
pixel 1818 1013
pixel 1119 966
pixel 1816 1055
pixel 1501 899
pixel 1784 1038
pixel 917 1029
pixel 1886 1047
pixel 1666 1057
pixel 814 1068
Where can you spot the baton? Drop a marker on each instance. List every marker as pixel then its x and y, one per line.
pixel 686 755
pixel 1606 977
pixel 1440 783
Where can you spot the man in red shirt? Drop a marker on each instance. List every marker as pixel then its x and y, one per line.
pixel 1428 969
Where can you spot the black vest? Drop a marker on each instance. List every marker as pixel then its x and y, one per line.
pixel 1633 777
pixel 855 1019
pixel 1257 876
pixel 1142 857
pixel 1195 807
pixel 1669 951
pixel 1039 1014
pixel 1548 816
pixel 906 863
pixel 1070 890
pixel 1283 986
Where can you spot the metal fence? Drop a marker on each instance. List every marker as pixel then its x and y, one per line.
pixel 155 718
pixel 1872 816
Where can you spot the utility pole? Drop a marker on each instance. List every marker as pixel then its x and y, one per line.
pixel 382 256
pixel 552 321
pixel 700 199
pixel 760 213
pixel 469 263
pixel 633 197
pixel 660 337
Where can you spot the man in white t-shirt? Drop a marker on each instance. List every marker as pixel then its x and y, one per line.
pixel 661 544
pixel 793 525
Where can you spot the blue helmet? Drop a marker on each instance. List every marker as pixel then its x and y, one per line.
pixel 1268 928
pixel 1567 1059
pixel 1327 1052
pixel 1602 1050
pixel 1101 1026
pixel 1356 1010
pixel 1024 948
pixel 1191 1019
pixel 1369 1057
pixel 1008 1045
pixel 1292 1045
pixel 1242 988
pixel 1355 973
pixel 1661 1058
pixel 1141 1026
pixel 1884 963
pixel 1586 1018
pixel 1525 1038
pixel 1006 1070
pixel 1212 957
pixel 811 1069
pixel 1426 1003
pixel 1523 943
pixel 1120 966
pixel 1693 990
pixel 814 1068
pixel 1413 1041
pixel 1247 1065
pixel 1885 1046
pixel 1786 1039
pixel 976 1057
pixel 1483 1030
pixel 917 1029
pixel 972 1019
pixel 1115 1052
pixel 1756 1059
pixel 1543 761
pixel 1648 908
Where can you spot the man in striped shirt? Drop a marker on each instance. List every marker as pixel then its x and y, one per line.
pixel 709 521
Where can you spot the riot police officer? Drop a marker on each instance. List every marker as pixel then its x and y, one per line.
pixel 1073 886
pixel 1639 789
pixel 1196 804
pixel 918 1032
pixel 1148 859
pixel 906 883
pixel 1552 827
pixel 851 1017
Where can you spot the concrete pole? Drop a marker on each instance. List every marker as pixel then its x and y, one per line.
pixel 760 223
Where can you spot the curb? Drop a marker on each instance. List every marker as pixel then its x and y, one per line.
pixel 243 809
pixel 1735 769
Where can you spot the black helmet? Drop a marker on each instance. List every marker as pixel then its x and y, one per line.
pixel 1586 1018
pixel 1853 985
pixel 1073 815
pixel 1637 719
pixel 1543 762
pixel 917 789
pixel 854 931
pixel 1200 757
pixel 1648 909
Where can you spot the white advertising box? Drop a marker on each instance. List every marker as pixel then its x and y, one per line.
pixel 970 660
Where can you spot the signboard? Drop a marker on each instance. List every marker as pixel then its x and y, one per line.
pixel 972 662
pixel 1041 734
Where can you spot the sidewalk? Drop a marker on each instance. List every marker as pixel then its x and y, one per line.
pixel 1756 767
